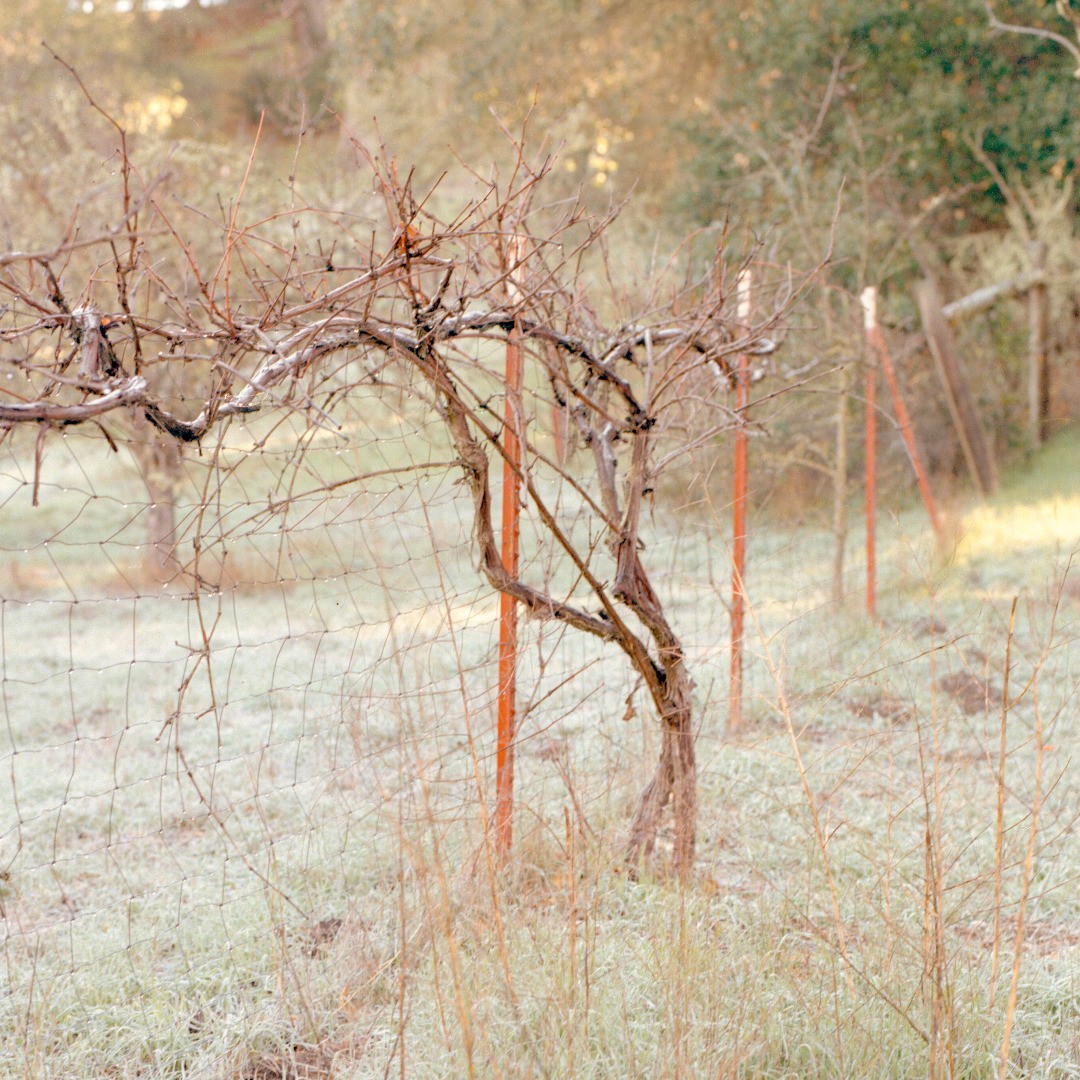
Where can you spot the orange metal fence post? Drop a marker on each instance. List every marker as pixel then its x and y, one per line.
pixel 507 719
pixel 869 305
pixel 738 572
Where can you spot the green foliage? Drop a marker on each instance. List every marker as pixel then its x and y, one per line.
pixel 918 80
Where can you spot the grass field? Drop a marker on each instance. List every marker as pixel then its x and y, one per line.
pixel 242 830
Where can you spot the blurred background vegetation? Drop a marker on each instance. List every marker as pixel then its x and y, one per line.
pixel 710 113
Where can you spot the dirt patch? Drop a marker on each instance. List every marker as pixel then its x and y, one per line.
pixel 883 707
pixel 552 749
pixel 1045 937
pixel 301 1062
pixel 320 934
pixel 965 756
pixel 971 693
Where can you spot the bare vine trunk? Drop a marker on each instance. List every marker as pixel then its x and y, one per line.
pixel 674 781
pixel 675 778
pixel 160 535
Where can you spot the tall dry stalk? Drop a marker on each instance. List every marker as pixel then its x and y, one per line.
pixel 999 822
pixel 1025 887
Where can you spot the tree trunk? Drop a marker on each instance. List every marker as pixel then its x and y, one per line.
pixel 666 677
pixel 159 460
pixel 311 42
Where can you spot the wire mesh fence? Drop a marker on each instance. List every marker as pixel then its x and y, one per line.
pixel 206 767
pixel 249 637
pixel 218 782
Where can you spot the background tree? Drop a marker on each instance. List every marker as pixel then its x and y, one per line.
pixel 920 80
pixel 717 109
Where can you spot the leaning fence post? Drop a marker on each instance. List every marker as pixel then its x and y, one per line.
pixel 903 419
pixel 1038 362
pixel 738 559
pixel 507 718
pixel 868 298
pixel 954 381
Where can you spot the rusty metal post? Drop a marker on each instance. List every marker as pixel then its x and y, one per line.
pixel 738 559
pixel 869 306
pixel 506 723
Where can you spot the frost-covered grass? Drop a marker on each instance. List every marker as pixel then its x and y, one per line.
pixel 243 834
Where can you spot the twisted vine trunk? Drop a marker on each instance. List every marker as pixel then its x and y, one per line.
pixel 669 683
pixel 675 778
pixel 674 781
pixel 670 686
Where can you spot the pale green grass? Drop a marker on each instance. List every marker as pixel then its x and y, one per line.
pixel 170 860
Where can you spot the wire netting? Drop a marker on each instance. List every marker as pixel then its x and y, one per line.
pixel 244 745
pixel 211 754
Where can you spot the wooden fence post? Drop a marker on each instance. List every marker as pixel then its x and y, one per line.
pixel 957 393
pixel 1038 360
pixel 903 418
pixel 738 572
